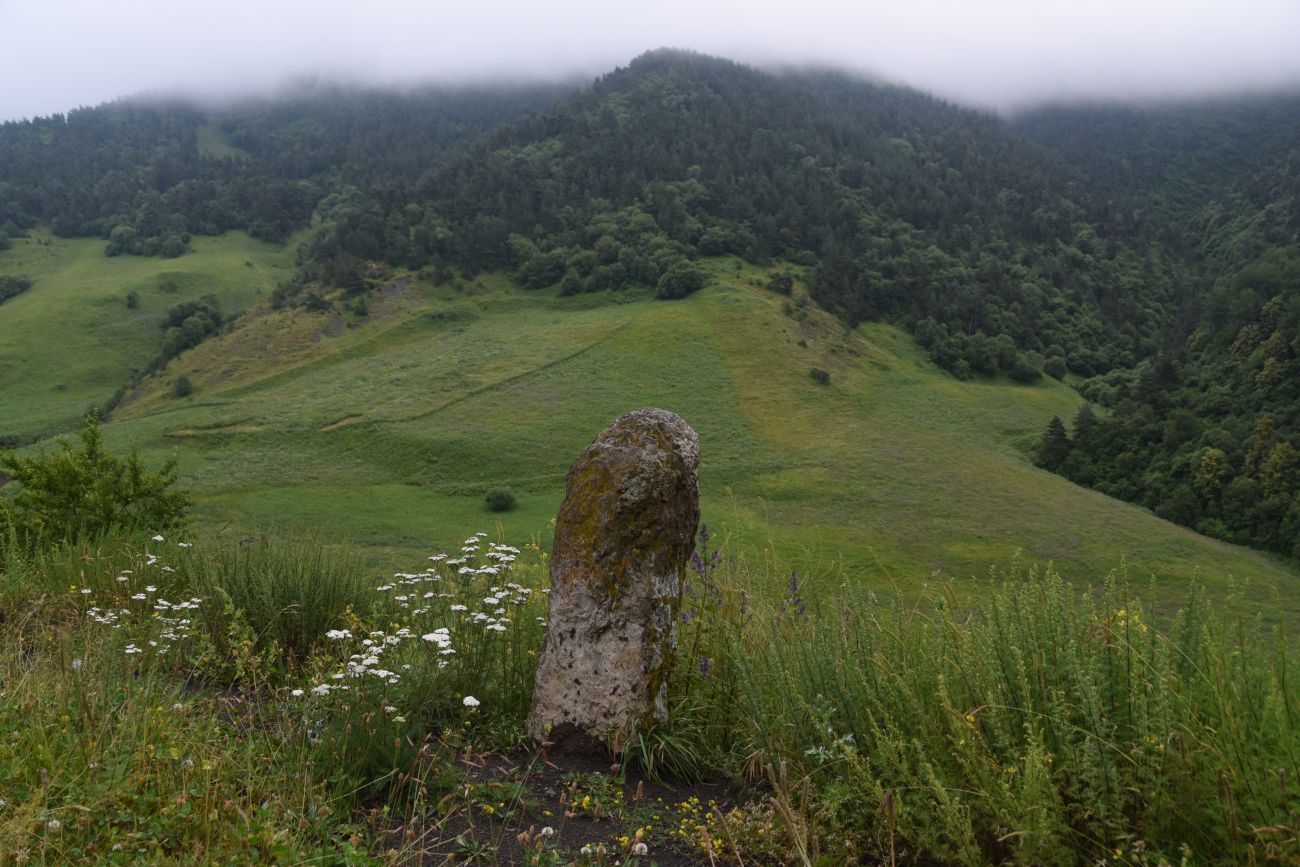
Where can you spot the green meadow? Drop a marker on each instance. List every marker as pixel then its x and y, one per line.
pixel 71 341
pixel 386 430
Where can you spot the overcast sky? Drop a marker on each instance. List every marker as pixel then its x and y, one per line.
pixel 59 54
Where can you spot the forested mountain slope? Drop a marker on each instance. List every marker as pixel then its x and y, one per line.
pixel 1206 431
pixel 1147 256
pixel 912 209
pixel 145 175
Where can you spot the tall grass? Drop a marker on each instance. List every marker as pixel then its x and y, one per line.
pixel 284 594
pixel 1045 724
pixel 1042 725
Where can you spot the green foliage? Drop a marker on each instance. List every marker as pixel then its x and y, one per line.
pixel 782 283
pixel 1024 370
pixel 185 326
pixel 1039 726
pixel 69 492
pixel 150 175
pixel 820 376
pixel 13 285
pixel 1056 445
pixel 1207 437
pixel 500 500
pixel 183 387
pixel 272 599
pixel 679 281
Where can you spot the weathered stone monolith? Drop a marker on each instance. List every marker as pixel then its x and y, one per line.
pixel 622 539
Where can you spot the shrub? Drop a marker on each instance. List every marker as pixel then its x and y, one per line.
pixel 1023 370
pixel 681 279
pixel 500 500
pixel 821 377
pixel 183 387
pixel 11 286
pixel 88 491
pixel 781 283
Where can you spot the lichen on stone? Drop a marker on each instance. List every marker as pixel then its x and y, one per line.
pixel 622 539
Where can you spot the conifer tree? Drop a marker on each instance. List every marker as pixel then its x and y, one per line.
pixel 1056 445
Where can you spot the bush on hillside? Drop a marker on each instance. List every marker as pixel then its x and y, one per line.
pixel 71 492
pixel 501 500
pixel 680 280
pixel 12 285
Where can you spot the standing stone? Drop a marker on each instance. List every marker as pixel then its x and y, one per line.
pixel 622 539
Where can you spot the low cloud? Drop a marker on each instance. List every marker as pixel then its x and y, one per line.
pixel 60 54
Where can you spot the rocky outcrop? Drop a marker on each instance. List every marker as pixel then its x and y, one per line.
pixel 622 539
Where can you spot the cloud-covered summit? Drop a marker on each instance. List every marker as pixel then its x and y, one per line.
pixel 60 54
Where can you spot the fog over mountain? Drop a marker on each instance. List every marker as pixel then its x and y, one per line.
pixel 1003 54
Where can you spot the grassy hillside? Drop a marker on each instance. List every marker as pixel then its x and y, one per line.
pixel 387 430
pixel 71 341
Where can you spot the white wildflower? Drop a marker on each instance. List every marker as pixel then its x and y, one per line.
pixel 469 701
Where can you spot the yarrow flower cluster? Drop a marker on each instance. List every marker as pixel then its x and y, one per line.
pixel 428 613
pixel 166 623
